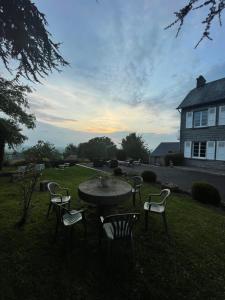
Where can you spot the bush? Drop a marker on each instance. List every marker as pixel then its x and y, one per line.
pixel 176 158
pixel 97 163
pixel 149 176
pixel 118 171
pixel 113 163
pixel 206 193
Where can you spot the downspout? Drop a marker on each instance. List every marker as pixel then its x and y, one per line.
pixel 180 130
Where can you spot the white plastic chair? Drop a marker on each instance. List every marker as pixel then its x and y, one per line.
pixel 118 227
pixel 56 197
pixel 157 207
pixel 137 182
pixel 68 217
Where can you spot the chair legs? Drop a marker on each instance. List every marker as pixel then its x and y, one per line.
pixel 49 209
pixel 146 220
pixel 134 196
pixel 165 222
pixel 134 199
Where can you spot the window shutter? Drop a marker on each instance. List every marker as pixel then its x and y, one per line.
pixel 187 149
pixel 222 115
pixel 220 151
pixel 210 150
pixel 189 119
pixel 212 116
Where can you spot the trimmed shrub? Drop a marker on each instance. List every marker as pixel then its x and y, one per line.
pixel 113 163
pixel 118 171
pixel 176 158
pixel 206 193
pixel 97 163
pixel 149 176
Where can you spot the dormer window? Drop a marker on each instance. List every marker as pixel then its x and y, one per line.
pixel 201 118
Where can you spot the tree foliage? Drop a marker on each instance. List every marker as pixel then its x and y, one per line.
pixel 14 105
pixel 42 151
pixel 134 146
pixel 97 148
pixel 24 38
pixel 70 149
pixel 215 8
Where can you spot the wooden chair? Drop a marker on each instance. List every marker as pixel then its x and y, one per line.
pixel 157 207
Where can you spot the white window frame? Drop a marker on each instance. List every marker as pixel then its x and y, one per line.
pixel 199 150
pixel 200 111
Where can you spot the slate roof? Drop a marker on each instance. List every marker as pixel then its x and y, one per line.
pixel 211 92
pixel 165 148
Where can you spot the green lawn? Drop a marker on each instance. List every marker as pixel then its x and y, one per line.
pixel 33 266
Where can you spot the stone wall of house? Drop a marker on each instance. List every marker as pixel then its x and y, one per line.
pixel 213 133
pixel 204 163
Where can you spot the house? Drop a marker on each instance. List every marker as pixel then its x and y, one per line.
pixel 202 127
pixel 160 152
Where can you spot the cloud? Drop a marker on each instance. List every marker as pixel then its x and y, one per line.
pixel 54 119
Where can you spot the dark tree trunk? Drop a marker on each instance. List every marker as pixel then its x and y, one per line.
pixel 2 151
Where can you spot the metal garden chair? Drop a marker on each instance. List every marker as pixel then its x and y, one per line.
pixel 118 227
pixel 137 182
pixel 157 207
pixel 58 195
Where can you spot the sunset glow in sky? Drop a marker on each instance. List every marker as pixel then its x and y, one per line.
pixel 126 72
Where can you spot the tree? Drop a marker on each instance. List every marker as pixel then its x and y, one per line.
pixel 215 8
pixel 70 149
pixel 14 104
pixel 121 154
pixel 24 38
pixel 134 146
pixel 97 148
pixel 42 151
pixel 27 185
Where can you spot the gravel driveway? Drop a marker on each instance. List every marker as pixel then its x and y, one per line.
pixel 183 177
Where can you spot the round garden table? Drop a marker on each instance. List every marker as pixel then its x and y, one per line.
pixel 103 194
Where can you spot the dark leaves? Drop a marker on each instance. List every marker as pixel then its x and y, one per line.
pixel 215 7
pixel 23 37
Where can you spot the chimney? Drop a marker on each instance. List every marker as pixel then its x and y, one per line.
pixel 200 81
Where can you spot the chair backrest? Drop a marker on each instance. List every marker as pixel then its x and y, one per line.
pixel 21 169
pixel 122 224
pixel 52 187
pixel 164 195
pixel 137 181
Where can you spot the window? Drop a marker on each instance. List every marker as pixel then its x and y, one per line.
pixel 199 149
pixel 201 118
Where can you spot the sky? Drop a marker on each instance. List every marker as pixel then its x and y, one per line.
pixel 126 74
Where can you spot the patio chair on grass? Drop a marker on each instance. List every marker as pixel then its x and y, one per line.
pixel 157 207
pixel 58 195
pixel 68 217
pixel 118 227
pixel 137 182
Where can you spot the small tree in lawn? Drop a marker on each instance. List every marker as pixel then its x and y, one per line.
pixel 27 185
pixel 41 151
